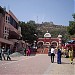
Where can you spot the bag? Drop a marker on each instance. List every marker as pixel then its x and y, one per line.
pixel 49 53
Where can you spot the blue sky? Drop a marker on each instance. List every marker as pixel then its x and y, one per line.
pixel 58 11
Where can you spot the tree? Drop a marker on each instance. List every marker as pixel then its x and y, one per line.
pixel 28 31
pixel 73 16
pixel 31 22
pixel 71 27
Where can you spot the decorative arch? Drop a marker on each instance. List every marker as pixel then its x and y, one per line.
pixel 47 43
pixel 54 43
pixel 40 43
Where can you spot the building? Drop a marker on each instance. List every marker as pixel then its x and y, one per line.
pixel 10 31
pixel 48 41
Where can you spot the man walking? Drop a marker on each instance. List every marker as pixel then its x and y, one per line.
pixel 2 54
pixel 52 54
pixel 8 53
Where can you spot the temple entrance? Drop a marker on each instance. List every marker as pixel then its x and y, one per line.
pixel 47 41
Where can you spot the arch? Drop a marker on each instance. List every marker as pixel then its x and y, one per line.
pixel 54 43
pixel 40 43
pixel 47 43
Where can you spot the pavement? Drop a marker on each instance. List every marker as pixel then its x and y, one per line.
pixel 38 64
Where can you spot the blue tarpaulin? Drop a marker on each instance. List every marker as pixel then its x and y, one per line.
pixel 71 41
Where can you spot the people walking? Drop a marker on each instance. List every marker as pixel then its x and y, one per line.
pixel 52 54
pixel 8 53
pixel 59 56
pixel 2 54
pixel 24 51
pixel 71 54
pixel 28 51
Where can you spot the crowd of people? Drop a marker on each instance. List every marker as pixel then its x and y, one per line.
pixel 5 54
pixel 27 51
pixel 59 54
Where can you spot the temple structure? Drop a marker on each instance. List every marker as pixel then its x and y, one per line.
pixel 48 41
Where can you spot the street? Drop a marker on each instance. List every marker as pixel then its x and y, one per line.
pixel 36 65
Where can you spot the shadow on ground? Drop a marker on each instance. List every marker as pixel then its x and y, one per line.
pixel 11 60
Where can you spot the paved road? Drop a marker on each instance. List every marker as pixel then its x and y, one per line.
pixel 36 65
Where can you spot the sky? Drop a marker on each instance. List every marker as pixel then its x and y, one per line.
pixel 57 11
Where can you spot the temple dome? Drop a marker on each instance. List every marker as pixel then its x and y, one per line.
pixel 59 36
pixel 47 35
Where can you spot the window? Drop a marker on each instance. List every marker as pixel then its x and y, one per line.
pixel 5 28
pixel 5 31
pixel 8 20
pixel 6 17
pixel 5 37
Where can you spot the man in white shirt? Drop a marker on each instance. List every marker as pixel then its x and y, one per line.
pixel 52 54
pixel 2 54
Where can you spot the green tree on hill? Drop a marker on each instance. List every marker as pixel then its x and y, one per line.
pixel 71 27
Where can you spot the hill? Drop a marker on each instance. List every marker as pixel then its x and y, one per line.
pixel 53 29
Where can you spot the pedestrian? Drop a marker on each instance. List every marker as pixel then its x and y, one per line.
pixel 24 51
pixel 8 53
pixel 2 54
pixel 52 54
pixel 59 56
pixel 29 51
pixel 42 49
pixel 71 54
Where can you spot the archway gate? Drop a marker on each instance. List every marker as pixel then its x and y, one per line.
pixel 46 43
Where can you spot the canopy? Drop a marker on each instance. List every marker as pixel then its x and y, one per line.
pixel 71 41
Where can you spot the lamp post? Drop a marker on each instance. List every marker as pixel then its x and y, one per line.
pixel 35 42
pixel 35 35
